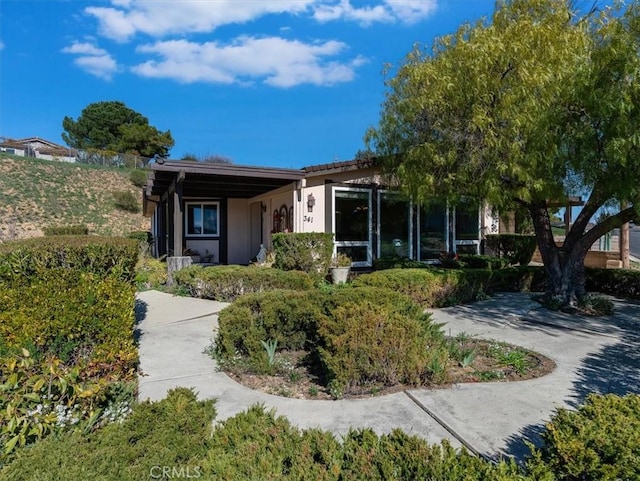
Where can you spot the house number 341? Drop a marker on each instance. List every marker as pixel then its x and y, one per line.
pixel 307 218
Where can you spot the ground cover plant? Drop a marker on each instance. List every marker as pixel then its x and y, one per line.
pixel 67 353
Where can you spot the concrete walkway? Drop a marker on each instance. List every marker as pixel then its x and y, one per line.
pixel 592 355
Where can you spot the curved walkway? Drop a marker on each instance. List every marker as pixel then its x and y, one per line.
pixel 592 355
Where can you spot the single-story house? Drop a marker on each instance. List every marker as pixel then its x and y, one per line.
pixel 38 148
pixel 226 212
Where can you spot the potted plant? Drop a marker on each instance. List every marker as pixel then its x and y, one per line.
pixel 340 268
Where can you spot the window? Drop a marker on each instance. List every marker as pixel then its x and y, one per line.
pixel 433 233
pixel 467 225
pixel 202 219
pixel 394 224
pixel 352 223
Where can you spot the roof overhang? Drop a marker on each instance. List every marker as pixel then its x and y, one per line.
pixel 201 179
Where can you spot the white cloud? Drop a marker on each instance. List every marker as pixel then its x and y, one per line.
pixel 125 18
pixel 273 60
pixel 406 11
pixel 92 59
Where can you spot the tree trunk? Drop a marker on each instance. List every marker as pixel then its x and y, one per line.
pixel 566 278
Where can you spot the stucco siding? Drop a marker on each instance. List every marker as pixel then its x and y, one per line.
pixel 238 235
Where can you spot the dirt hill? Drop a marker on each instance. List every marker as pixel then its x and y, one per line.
pixel 37 193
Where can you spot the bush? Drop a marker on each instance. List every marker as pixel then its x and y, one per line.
pixel 103 256
pixel 226 283
pixel 365 344
pixel 77 317
pixel 518 248
pixel 125 200
pixel 142 236
pixel 616 282
pixel 310 252
pixel 174 432
pixel 315 321
pixel 598 441
pixel 448 287
pixel 473 261
pixel 150 273
pixel 66 230
pixel 138 177
pixel 398 263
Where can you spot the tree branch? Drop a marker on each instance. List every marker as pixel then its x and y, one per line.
pixel 607 225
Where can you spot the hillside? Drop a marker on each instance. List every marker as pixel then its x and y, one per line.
pixel 37 193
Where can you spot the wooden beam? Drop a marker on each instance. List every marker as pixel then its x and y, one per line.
pixel 623 241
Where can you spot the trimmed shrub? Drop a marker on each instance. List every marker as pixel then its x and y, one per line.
pixel 366 344
pixel 142 236
pixel 125 200
pixel 398 263
pixel 616 282
pixel 310 252
pixel 74 316
pixel 518 248
pixel 174 432
pixel 103 256
pixel 473 261
pixel 448 287
pixel 226 283
pixel 66 230
pixel 327 324
pixel 598 441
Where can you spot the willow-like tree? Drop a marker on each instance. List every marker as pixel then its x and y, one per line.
pixel 533 106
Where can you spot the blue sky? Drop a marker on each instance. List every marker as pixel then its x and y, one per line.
pixel 283 83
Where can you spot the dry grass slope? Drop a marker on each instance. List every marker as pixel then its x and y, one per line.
pixel 37 193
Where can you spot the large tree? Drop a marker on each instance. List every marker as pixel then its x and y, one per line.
pixel 112 126
pixel 537 104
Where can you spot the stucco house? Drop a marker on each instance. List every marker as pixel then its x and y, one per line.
pixel 229 211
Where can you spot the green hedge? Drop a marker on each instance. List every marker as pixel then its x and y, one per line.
pixel 103 256
pixel 518 248
pixel 74 316
pixel 350 332
pixel 226 283
pixel 66 230
pixel 448 287
pixel 310 252
pixel 473 261
pixel 616 282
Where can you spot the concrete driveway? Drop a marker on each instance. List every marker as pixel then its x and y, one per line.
pixel 492 419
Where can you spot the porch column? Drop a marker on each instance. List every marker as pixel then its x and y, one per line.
pixel 178 219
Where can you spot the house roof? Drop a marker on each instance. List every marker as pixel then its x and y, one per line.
pixel 202 179
pixel 343 166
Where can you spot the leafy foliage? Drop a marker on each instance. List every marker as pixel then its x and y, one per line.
pixel 226 283
pixel 623 283
pixel 517 248
pixel 112 126
pixel 310 252
pixel 530 108
pixel 138 177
